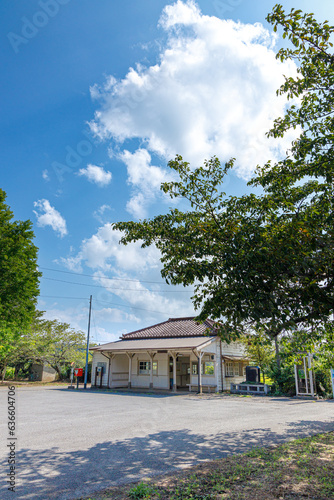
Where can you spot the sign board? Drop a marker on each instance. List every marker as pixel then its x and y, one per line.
pixel 332 379
pixel 78 372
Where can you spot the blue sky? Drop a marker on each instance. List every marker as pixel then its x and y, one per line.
pixel 96 98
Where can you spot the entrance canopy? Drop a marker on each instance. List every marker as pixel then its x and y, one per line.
pixel 159 345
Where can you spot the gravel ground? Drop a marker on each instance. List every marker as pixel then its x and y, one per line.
pixel 72 443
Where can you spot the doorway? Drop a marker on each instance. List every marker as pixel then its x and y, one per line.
pixel 182 372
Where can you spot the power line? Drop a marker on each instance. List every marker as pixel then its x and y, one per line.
pixel 94 276
pixel 125 289
pixel 131 307
pixel 103 302
pixel 60 297
pixel 94 323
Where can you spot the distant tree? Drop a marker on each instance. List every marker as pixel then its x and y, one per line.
pixel 47 341
pixel 56 344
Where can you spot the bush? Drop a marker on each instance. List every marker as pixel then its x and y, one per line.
pixel 141 490
pixel 10 372
pixel 283 380
pixel 323 382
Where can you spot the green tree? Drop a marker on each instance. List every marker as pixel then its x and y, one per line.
pixel 266 260
pixel 57 344
pixel 47 341
pixel 259 350
pixel 294 346
pixel 19 285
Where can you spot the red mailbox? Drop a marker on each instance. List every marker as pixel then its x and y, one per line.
pixel 78 372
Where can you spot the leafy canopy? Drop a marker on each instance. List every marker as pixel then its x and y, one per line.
pixel 46 341
pixel 19 285
pixel 266 260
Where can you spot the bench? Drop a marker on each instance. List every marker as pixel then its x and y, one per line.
pixel 209 387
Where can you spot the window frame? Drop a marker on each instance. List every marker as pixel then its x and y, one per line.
pixel 229 369
pixel 144 371
pixel 211 363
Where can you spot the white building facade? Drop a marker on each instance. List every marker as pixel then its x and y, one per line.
pixel 167 356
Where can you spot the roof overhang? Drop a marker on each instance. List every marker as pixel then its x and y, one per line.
pixel 234 358
pixel 155 345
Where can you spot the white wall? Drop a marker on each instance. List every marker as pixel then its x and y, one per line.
pixel 160 381
pixel 119 371
pixel 210 350
pixel 233 349
pixel 119 368
pixel 99 358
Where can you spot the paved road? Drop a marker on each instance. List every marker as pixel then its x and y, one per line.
pixel 74 443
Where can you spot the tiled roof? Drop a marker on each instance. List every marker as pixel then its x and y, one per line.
pixel 174 327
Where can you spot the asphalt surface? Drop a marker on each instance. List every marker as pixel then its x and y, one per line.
pixel 72 443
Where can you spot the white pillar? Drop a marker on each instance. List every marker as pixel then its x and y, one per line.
pixel 306 375
pixel 309 362
pixel 200 356
pixel 151 355
pixel 296 381
pixel 111 369
pixel 130 356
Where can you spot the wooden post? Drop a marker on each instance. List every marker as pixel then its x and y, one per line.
pixel 306 375
pixel 296 381
pixel 309 362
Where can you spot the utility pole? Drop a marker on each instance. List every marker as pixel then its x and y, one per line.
pixel 86 369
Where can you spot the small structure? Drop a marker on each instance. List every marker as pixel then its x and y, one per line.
pixel 178 354
pixel 304 376
pixel 43 373
pixel 250 388
pixel 252 385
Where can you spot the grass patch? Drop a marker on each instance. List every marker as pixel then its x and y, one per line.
pixel 300 469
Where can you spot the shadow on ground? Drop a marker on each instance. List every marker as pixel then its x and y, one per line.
pixel 53 474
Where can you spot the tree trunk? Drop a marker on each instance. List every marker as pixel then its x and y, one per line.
pixel 3 373
pixel 58 370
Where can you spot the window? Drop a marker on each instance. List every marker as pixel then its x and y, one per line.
pixel 195 370
pixel 229 372
pixel 236 369
pixel 144 367
pixel 209 368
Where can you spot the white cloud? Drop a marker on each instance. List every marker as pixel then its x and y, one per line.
pixel 213 92
pixel 144 178
pixel 136 279
pixel 49 216
pixel 45 175
pixel 96 175
pixel 149 302
pixel 99 213
pixel 103 251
